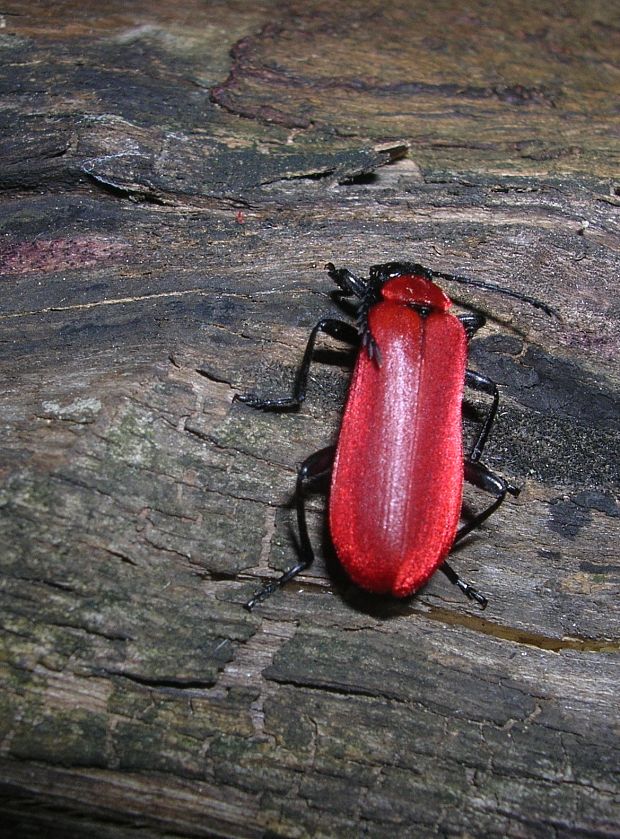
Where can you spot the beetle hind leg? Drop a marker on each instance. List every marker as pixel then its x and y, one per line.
pixel 312 470
pixel 481 477
pixel 468 590
pixel 484 479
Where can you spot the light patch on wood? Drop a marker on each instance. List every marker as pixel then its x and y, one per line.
pixel 65 691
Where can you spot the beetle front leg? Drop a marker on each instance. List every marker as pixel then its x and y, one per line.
pixel 336 329
pixel 314 468
pixel 472 322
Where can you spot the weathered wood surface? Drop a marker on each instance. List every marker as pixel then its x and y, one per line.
pixel 174 179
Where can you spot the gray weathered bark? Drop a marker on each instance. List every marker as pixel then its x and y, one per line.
pixel 173 181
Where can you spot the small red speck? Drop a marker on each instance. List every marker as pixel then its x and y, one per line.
pixel 240 217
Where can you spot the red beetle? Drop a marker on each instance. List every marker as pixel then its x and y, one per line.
pixel 398 467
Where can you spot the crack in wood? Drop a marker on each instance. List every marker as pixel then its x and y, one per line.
pixel 520 636
pixel 118 301
pixel 251 659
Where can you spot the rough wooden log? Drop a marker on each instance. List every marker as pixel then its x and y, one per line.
pixel 174 179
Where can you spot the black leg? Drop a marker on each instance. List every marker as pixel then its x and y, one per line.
pixel 317 466
pixel 472 323
pixel 477 381
pixel 467 589
pixel 486 480
pixel 337 329
pixel 349 282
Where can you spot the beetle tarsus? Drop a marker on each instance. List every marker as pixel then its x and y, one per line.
pixel 468 590
pixel 472 593
pixel 261 594
pixel 268 589
pixel 339 329
pixel 254 401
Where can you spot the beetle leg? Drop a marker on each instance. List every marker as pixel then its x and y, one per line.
pixel 337 329
pixel 350 284
pixel 477 381
pixel 467 589
pixel 484 479
pixel 315 467
pixel 472 322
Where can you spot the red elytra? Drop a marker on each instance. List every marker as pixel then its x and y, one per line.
pixel 397 481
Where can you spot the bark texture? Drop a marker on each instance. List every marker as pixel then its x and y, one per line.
pixel 173 180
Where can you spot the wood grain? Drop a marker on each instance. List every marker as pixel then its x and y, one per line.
pixel 174 179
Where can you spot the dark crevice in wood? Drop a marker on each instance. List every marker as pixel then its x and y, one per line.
pixel 520 636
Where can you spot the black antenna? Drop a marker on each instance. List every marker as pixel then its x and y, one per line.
pixel 456 278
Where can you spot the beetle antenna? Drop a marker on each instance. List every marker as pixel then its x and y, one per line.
pixel 508 292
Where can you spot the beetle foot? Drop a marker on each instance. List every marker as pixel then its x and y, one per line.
pixel 254 401
pixel 250 399
pixel 261 594
pixel 472 593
